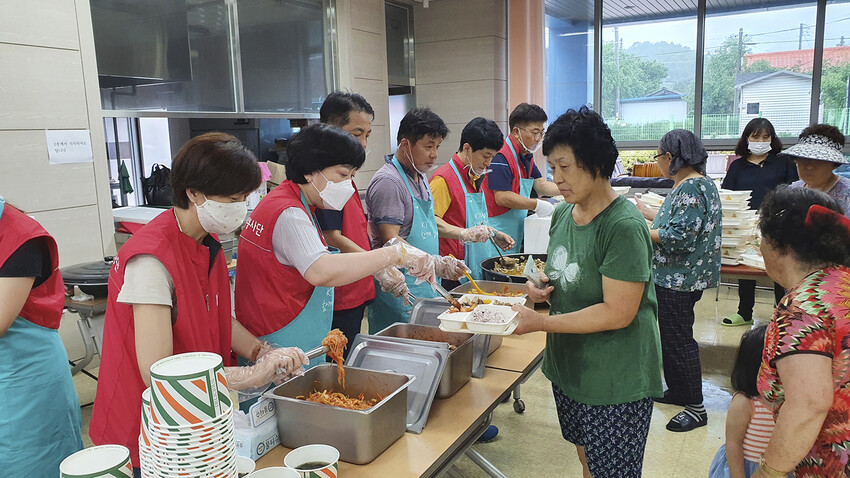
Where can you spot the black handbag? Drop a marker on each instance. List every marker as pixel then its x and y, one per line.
pixel 157 187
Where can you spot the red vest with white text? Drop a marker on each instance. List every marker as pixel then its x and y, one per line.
pixel 202 296
pixel 494 209
pixel 456 213
pixel 354 227
pixel 269 295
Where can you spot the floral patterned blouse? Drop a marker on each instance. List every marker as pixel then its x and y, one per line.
pixel 688 257
pixel 815 318
pixel 840 192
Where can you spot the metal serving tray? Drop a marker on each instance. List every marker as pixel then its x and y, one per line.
pixel 426 363
pixel 359 435
pixel 425 312
pixel 459 366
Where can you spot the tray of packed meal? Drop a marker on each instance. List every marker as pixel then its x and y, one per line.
pixel 510 267
pixel 361 420
pixel 480 318
pixel 494 290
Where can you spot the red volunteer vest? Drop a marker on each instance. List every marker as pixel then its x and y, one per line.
pixel 203 325
pixel 494 209
pixel 269 295
pixel 354 227
pixel 45 302
pixel 456 213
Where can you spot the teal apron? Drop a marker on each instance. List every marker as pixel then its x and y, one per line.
pixel 39 410
pixel 512 222
pixel 311 326
pixel 476 215
pixel 388 309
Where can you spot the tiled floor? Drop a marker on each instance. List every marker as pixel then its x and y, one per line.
pixel 530 444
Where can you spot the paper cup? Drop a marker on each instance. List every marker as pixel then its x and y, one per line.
pixel 106 461
pixel 275 472
pixel 314 461
pixel 187 389
pixel 244 466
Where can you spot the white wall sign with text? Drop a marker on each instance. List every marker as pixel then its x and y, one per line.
pixel 66 146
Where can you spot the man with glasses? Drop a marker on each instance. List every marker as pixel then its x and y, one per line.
pixel 514 175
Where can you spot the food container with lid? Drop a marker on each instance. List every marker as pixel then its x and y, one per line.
pixel 504 318
pixel 427 311
pixel 460 344
pixel 425 362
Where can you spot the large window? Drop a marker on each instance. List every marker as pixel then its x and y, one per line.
pixel 648 72
pixel 835 81
pixel 758 64
pixel 660 66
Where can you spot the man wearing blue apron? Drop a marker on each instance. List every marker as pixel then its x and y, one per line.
pixel 400 206
pixel 459 203
pixel 514 175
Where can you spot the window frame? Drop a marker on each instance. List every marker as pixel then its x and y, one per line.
pixel 713 144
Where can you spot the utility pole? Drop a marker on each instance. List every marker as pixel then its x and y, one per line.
pixel 800 41
pixel 740 48
pixel 847 108
pixel 617 65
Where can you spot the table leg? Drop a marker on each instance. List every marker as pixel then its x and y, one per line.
pixel 484 464
pixel 88 341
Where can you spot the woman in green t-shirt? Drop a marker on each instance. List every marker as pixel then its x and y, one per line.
pixel 686 242
pixel 603 354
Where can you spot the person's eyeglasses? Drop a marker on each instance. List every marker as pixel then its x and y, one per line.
pixel 658 155
pixel 537 133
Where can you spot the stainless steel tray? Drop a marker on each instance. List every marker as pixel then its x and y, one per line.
pixel 426 363
pixel 359 435
pixel 425 312
pixel 459 366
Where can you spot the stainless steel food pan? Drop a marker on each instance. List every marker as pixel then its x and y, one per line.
pixel 459 365
pixel 359 435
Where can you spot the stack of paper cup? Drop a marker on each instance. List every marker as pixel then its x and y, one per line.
pixel 187 419
pixel 106 461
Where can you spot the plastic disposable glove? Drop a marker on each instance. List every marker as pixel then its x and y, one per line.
pixel 544 208
pixel 477 234
pixel 392 281
pixel 265 347
pixel 449 268
pixel 504 241
pixel 276 366
pixel 418 263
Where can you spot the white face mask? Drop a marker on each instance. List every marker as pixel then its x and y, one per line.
pixel 758 148
pixel 413 165
pixel 335 195
pixel 478 173
pixel 535 146
pixel 221 217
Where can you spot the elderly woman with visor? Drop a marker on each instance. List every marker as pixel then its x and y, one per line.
pixel 818 155
pixel 686 241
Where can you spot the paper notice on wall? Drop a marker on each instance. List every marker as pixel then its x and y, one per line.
pixel 66 146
